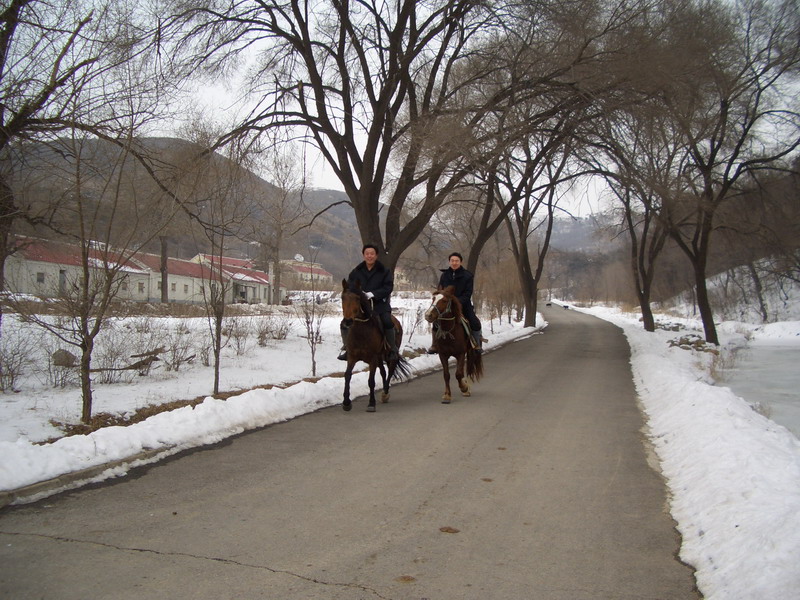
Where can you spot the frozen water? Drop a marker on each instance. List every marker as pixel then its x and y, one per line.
pixel 767 375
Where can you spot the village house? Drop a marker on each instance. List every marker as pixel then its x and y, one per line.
pixel 48 269
pixel 305 272
pixel 248 283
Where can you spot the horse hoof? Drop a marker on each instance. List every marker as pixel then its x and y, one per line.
pixel 446 399
pixel 384 398
pixel 467 393
pixel 346 406
pixel 370 408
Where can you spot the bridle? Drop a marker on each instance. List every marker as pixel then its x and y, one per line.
pixel 441 332
pixel 366 318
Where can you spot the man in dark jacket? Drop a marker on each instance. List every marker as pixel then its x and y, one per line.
pixel 377 282
pixel 462 280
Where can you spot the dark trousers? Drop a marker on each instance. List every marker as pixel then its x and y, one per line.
pixel 386 320
pixel 469 315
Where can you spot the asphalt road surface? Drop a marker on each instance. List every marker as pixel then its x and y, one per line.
pixel 536 487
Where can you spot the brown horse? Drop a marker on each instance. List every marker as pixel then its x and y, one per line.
pixel 451 339
pixel 366 342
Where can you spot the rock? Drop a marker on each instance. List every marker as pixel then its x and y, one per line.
pixel 64 358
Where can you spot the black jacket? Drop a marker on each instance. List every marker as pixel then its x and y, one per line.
pixel 379 281
pixel 462 280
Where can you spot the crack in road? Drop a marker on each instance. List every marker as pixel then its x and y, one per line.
pixel 198 557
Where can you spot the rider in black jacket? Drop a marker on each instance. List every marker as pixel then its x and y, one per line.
pixel 462 280
pixel 377 282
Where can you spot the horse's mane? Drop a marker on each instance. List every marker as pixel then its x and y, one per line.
pixel 364 302
pixel 366 305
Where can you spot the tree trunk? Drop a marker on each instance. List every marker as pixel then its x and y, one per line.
pixel 648 320
pixel 643 285
pixel 703 302
pixel 759 289
pixel 531 305
pixel 86 382
pixel 527 284
pixel 8 210
pixel 276 288
pixel 164 271
pixel 218 314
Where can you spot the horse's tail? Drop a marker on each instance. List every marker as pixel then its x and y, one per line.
pixel 401 369
pixel 474 365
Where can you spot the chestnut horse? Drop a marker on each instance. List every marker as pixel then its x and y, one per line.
pixel 451 339
pixel 366 342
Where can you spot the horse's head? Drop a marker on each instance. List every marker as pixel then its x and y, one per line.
pixel 442 304
pixel 355 304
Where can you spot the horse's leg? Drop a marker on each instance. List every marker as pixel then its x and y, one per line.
pixel 444 359
pixel 463 384
pixel 371 405
pixel 385 379
pixel 346 404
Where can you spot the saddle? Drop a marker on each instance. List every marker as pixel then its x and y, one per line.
pixel 467 332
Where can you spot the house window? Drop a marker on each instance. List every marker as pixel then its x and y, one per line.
pixel 159 286
pixel 124 286
pixel 141 287
pixel 39 277
pixel 172 287
pixel 185 288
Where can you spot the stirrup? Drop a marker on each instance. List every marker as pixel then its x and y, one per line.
pixel 432 350
pixel 342 355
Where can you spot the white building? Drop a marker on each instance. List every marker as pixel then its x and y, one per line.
pixel 307 272
pixel 47 268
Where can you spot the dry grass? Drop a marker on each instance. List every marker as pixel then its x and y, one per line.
pixel 100 420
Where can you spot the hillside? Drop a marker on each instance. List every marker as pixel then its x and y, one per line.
pixel 46 182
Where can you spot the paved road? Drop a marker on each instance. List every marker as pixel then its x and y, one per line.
pixel 536 487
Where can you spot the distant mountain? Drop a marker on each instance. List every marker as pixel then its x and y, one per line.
pixel 582 235
pixel 331 239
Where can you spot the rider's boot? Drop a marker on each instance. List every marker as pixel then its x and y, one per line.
pixel 343 329
pixel 391 339
pixel 476 335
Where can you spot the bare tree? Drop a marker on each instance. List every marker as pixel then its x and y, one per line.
pixel 311 313
pixel 107 216
pixel 282 212
pixel 222 188
pixel 736 111
pixel 60 69
pixel 369 84
pixel 532 183
pixel 402 99
pixel 638 158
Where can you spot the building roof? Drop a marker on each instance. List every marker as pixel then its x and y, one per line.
pixel 62 253
pixel 309 269
pixel 227 261
pixel 236 269
pixel 48 251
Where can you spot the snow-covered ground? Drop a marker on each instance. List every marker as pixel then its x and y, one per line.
pixel 733 474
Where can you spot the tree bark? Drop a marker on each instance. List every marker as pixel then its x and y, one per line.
pixel 164 271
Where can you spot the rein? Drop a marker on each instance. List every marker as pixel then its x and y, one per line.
pixel 366 318
pixel 440 331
